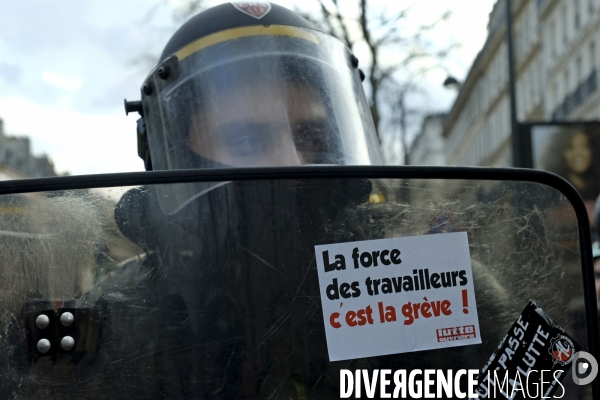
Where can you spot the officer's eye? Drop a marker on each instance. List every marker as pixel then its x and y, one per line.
pixel 247 139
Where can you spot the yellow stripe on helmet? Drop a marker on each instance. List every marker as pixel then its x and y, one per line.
pixel 245 31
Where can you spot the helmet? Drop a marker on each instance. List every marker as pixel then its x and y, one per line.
pixel 254 84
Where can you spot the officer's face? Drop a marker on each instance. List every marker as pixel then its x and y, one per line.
pixel 261 124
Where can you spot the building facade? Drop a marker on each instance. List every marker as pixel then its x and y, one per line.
pixel 16 160
pixel 570 53
pixel 555 55
pixel 428 147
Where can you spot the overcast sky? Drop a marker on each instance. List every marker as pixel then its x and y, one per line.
pixel 67 65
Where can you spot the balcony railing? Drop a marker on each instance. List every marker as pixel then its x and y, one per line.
pixel 577 97
pixel 592 82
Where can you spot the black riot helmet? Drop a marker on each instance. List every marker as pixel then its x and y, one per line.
pixel 251 84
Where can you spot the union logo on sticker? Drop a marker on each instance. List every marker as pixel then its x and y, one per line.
pixel 562 349
pixel 256 9
pixel 456 333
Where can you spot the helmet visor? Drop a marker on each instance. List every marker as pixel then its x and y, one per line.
pixel 275 96
pixel 257 96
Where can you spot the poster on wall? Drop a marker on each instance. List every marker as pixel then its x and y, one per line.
pixel 572 151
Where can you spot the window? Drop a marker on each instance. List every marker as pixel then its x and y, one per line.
pixel 554 40
pixel 565 25
pixel 577 95
pixel 519 48
pixel 524 44
pixel 567 92
pixel 556 37
pixel 534 31
pixel 532 82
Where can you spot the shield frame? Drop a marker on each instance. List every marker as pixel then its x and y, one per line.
pixel 350 172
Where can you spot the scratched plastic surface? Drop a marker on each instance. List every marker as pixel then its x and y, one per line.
pixel 221 300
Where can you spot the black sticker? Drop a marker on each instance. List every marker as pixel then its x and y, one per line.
pixel 534 343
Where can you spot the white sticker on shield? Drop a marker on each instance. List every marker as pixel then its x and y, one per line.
pixel 397 295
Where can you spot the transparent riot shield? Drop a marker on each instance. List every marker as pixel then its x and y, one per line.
pixel 105 295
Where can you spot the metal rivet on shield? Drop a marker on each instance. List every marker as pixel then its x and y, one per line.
pixel 43 346
pixel 147 88
pixel 67 319
pixel 42 321
pixel 163 72
pixel 67 343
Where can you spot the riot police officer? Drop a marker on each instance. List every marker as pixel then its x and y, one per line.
pixel 244 85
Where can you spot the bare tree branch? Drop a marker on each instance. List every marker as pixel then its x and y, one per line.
pixel 342 23
pixel 190 8
pixel 374 50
